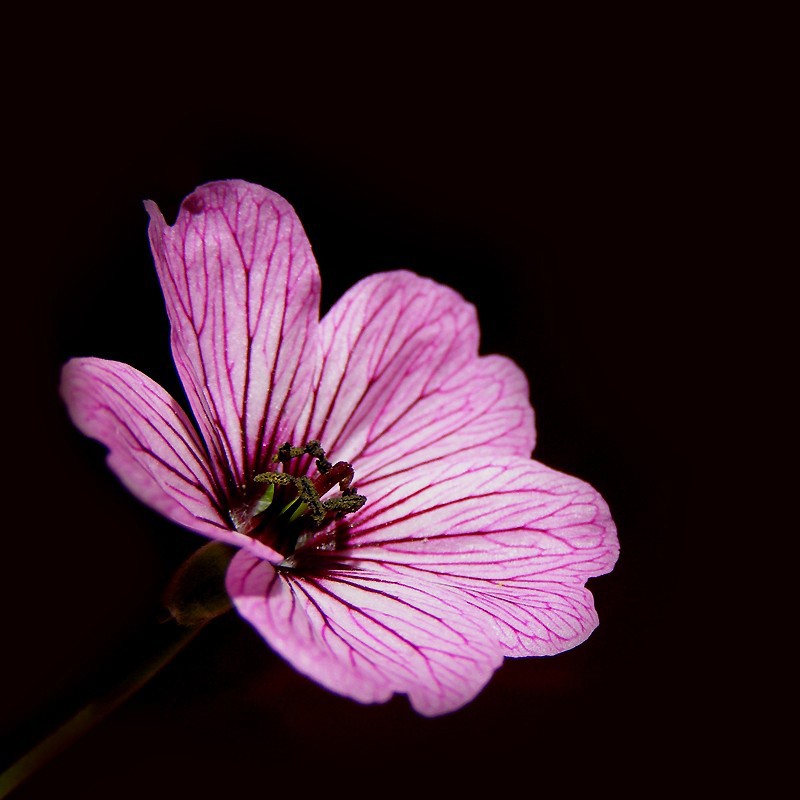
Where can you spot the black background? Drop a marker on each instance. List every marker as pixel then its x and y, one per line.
pixel 566 200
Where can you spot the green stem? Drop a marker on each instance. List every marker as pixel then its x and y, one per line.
pixel 98 709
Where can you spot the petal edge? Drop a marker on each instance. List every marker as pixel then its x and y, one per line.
pixel 367 636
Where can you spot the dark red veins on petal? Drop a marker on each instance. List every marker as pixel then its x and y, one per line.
pixel 242 293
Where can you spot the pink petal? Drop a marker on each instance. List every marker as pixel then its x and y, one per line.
pixel 368 636
pixel 511 519
pixel 153 448
pixel 242 293
pixel 518 539
pixel 401 383
pixel 535 620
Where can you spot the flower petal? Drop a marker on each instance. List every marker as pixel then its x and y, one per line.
pixel 368 636
pixel 401 382
pixel 535 620
pixel 518 539
pixel 242 293
pixel 513 519
pixel 153 448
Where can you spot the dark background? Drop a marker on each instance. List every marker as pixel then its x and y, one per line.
pixel 567 201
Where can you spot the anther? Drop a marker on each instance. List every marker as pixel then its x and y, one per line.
pixel 314 448
pixel 286 453
pixel 345 504
pixel 276 478
pixel 310 493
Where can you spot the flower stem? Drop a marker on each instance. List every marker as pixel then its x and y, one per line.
pixel 176 637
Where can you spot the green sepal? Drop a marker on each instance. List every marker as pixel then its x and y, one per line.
pixel 196 593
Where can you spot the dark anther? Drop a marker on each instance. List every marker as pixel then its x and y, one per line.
pixel 286 453
pixel 314 448
pixel 346 504
pixel 323 465
pixel 276 478
pixel 308 494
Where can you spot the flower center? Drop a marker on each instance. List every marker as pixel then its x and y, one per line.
pixel 292 514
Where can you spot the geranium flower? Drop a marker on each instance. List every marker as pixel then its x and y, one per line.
pixel 374 472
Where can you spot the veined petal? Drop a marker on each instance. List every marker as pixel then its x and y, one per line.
pixel 368 636
pixel 528 618
pixel 153 448
pixel 534 620
pixel 510 520
pixel 242 293
pixel 515 539
pixel 401 383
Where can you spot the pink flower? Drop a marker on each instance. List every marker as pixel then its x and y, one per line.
pixel 465 550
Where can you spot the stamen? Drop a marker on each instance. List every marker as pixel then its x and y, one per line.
pixel 310 493
pixel 286 453
pixel 313 448
pixel 276 478
pixel 345 504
